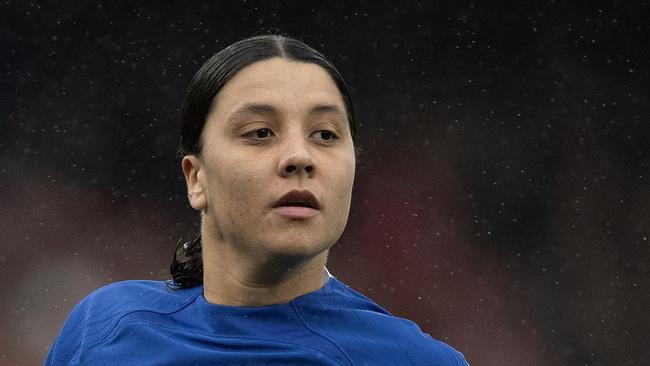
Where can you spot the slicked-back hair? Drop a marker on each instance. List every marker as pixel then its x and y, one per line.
pixel 187 264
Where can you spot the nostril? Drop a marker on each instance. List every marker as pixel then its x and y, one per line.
pixel 299 168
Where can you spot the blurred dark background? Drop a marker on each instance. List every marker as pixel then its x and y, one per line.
pixel 501 199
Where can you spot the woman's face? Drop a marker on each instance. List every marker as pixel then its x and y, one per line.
pixel 277 164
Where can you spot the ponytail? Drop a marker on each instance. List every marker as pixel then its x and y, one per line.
pixel 187 265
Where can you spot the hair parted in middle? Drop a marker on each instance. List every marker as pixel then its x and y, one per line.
pixel 187 266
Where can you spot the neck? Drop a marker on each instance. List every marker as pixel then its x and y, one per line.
pixel 231 278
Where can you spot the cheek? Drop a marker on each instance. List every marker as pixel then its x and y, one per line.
pixel 349 169
pixel 229 185
pixel 236 189
pixel 344 182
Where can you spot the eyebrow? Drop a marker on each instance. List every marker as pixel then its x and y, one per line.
pixel 254 108
pixel 267 109
pixel 326 108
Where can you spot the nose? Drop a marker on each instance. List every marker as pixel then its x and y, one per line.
pixel 297 160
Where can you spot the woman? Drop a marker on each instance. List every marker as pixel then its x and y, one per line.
pixel 269 161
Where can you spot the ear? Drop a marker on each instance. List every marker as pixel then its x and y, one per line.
pixel 195 191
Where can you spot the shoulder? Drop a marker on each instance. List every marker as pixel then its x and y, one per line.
pixel 136 294
pixel 369 334
pixel 99 312
pixel 124 297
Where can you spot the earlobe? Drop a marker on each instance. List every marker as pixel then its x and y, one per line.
pixel 195 193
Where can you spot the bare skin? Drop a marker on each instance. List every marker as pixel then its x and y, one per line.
pixel 278 126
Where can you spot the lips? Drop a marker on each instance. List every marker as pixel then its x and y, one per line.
pixel 297 204
pixel 298 198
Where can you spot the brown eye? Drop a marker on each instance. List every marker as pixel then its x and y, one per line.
pixel 325 136
pixel 258 136
pixel 262 133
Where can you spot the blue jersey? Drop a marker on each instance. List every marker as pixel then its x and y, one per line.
pixel 147 323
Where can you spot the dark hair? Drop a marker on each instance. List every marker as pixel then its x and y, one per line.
pixel 187 265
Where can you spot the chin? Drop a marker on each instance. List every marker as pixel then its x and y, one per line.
pixel 297 247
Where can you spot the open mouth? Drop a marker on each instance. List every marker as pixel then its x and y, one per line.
pixel 297 205
pixel 298 198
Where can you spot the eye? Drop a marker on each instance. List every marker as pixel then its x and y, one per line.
pixel 325 135
pixel 262 133
pixel 258 135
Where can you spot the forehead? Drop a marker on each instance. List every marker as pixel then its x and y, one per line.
pixel 279 81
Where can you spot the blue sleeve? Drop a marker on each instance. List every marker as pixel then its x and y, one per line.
pixel 66 349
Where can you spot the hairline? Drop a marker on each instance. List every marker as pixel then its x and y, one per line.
pixel 283 55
